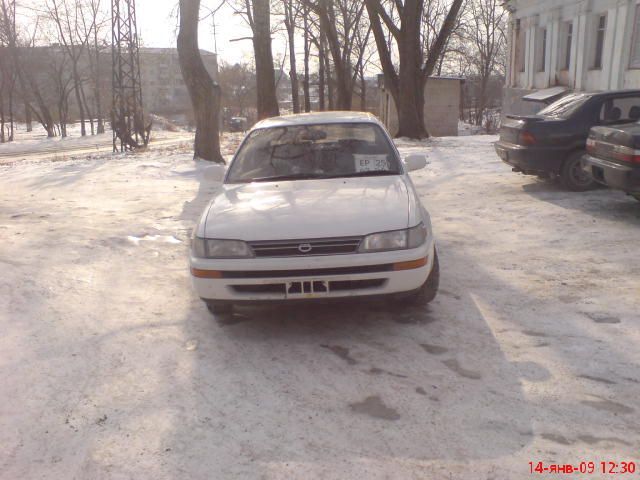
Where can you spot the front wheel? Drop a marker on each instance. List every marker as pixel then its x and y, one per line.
pixel 573 177
pixel 429 289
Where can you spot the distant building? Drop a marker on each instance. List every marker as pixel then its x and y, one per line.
pixel 163 89
pixel 441 108
pixel 583 45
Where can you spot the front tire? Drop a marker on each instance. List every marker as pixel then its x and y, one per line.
pixel 429 289
pixel 218 308
pixel 572 175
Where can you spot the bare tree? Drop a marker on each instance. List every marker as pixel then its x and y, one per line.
pixel 257 14
pixel 8 43
pixel 68 17
pixel 238 88
pixel 58 70
pixel 487 38
pixel 203 91
pixel 291 10
pixel 340 21
pixel 33 88
pixel 307 54
pixel 406 83
pixel 94 25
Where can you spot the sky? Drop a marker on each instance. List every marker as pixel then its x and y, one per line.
pixel 157 28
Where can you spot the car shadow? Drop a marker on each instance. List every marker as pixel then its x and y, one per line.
pixel 311 385
pixel 601 202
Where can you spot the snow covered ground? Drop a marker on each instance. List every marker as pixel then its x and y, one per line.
pixel 36 146
pixel 112 368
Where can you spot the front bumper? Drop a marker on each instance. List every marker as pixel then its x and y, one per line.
pixel 611 174
pixel 528 160
pixel 313 277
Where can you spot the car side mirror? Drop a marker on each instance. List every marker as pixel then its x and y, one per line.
pixel 214 173
pixel 415 161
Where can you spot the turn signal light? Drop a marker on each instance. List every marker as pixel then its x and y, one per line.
pixel 411 265
pixel 196 272
pixel 527 138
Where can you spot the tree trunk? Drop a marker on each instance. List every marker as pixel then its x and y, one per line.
pixel 363 90
pixel 305 81
pixel 1 118
pixel 328 78
pixel 293 73
pixel 28 118
pixel 482 97
pixel 203 92
pixel 265 76
pixel 411 83
pixel 76 84
pixel 98 95
pixel 321 79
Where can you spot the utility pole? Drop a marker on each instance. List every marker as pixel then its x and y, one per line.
pixel 127 115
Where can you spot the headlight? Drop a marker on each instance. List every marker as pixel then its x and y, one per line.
pixel 395 240
pixel 210 248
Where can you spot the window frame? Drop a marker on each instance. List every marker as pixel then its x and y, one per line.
pixel 568 45
pixel 598 41
pixel 541 57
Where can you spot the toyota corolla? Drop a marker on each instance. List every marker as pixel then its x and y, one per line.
pixel 315 206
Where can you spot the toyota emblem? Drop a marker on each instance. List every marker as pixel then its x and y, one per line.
pixel 304 248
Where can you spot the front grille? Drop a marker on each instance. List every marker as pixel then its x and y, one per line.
pixel 304 248
pixel 346 285
pixel 309 272
pixel 267 288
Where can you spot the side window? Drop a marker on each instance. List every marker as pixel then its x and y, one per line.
pixel 620 110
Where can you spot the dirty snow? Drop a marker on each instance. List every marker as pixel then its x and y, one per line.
pixel 112 368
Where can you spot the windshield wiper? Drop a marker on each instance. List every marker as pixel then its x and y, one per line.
pixel 370 173
pixel 292 176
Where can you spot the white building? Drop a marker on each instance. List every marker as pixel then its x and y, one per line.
pixel 584 45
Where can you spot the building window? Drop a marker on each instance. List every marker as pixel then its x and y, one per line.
pixel 519 46
pixel 634 60
pixel 601 27
pixel 567 45
pixel 542 54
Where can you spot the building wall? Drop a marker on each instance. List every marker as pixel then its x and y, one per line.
pixel 441 108
pixel 539 46
pixel 163 89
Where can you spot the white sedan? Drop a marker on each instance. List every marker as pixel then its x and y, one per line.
pixel 315 206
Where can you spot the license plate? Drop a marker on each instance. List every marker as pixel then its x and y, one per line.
pixel 307 289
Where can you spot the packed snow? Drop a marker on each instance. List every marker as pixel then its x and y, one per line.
pixel 112 368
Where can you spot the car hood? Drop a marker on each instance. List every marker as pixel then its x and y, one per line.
pixel 300 209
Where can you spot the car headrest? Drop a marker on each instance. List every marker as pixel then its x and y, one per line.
pixel 634 113
pixel 614 114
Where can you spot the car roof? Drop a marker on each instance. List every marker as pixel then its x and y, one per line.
pixel 613 92
pixel 316 118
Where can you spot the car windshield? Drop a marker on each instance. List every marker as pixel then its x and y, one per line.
pixel 314 151
pixel 566 106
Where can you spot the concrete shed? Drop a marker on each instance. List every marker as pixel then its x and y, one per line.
pixel 441 107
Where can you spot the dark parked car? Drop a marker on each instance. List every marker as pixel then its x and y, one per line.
pixel 613 156
pixel 552 142
pixel 238 124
